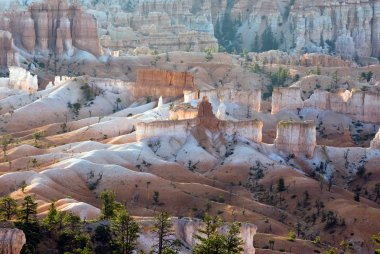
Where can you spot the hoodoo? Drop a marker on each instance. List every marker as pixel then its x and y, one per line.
pixel 298 138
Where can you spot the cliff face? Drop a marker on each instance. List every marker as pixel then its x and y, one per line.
pixel 360 105
pixel 205 120
pixel 350 28
pixel 298 138
pixel 286 98
pixel 156 83
pixel 6 49
pixel 53 26
pixel 163 25
pixel 308 59
pixel 11 241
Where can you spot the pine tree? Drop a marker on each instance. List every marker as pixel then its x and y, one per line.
pixel 28 210
pixel 109 204
pixel 51 220
pixel 234 243
pixel 376 241
pixel 377 191
pixel 126 231
pixel 163 232
pixel 281 185
pixel 8 208
pixel 268 41
pixel 210 240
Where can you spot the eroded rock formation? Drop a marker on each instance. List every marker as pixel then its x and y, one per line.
pixel 156 83
pixel 311 59
pixel 298 138
pixel 250 129
pixel 163 25
pixel 286 98
pixel 21 79
pixel 183 112
pixel 53 26
pixel 6 49
pixel 360 105
pixel 11 241
pixel 243 102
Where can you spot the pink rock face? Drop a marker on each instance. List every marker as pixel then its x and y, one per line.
pixel 11 241
pixel 53 26
pixel 6 51
pixel 164 83
pixel 298 138
pixel 205 120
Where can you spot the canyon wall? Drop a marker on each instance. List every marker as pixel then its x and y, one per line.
pixel 348 27
pixel 7 54
pixel 308 59
pixel 183 112
pixel 52 26
pixel 11 241
pixel 286 99
pixel 162 25
pixel 360 105
pixel 20 79
pixel 239 104
pixel 298 138
pixel 156 83
pixel 250 129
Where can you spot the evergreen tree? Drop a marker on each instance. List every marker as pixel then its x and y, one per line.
pixel 28 210
pixel 109 204
pixel 71 239
pixel 8 208
pixel 126 231
pixel 377 191
pixel 51 220
pixel 210 240
pixel 268 41
pixel 376 241
pixel 281 185
pixel 234 243
pixel 163 232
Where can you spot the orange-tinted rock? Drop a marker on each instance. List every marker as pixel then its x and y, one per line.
pixel 53 26
pixel 11 241
pixel 6 51
pixel 156 83
pixel 206 120
pixel 183 112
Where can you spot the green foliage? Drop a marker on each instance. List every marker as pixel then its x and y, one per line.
pixel 51 220
pixel 332 250
pixel 292 236
pixel 367 76
pixel 279 78
pixel 317 240
pixel 156 198
pixel 212 241
pixel 233 243
pixel 376 240
pixel 110 206
pixel 5 142
pixel 226 31
pixel 281 185
pixel 28 210
pixel 8 208
pixel 126 231
pixel 268 40
pixel 163 232
pixel 33 234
